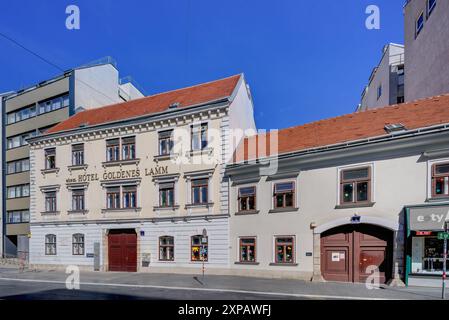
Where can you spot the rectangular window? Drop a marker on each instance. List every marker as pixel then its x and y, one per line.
pixel 440 180
pixel 355 185
pixel 419 23
pixel 247 249
pixel 129 148
pixel 54 104
pixel 247 199
pixel 165 142
pixel 50 245
pixel 199 137
pixel 113 150
pixel 200 191
pixel 199 248
pixel 167 194
pixel 166 248
pixel 20 140
pixel 19 191
pixel 430 6
pixel 50 158
pixel 284 194
pixel 78 200
pixel 129 197
pixel 113 198
pixel 78 154
pixel 20 115
pixel 18 166
pixel 78 244
pixel 379 91
pixel 17 216
pixel 50 201
pixel 284 247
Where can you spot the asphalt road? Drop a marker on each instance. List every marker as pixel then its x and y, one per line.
pixel 50 285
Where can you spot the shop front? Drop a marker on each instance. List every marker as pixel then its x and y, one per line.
pixel 424 249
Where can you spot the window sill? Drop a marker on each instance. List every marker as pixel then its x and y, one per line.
pixel 120 163
pixel 199 205
pixel 247 263
pixel 278 264
pixel 207 151
pixel 78 167
pixel 50 213
pixel 248 212
pixel 438 199
pixel 172 208
pixel 53 170
pixel 78 212
pixel 355 205
pixel 121 210
pixel 164 157
pixel 279 210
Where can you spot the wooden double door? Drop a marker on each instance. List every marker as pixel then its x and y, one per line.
pixel 122 250
pixel 350 253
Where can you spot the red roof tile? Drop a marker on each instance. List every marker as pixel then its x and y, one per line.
pixel 350 127
pixel 190 96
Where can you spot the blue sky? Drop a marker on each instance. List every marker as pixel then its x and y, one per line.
pixel 304 60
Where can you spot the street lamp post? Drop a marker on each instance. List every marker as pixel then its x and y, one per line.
pixel 444 261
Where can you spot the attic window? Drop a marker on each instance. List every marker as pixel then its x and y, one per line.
pixel 395 127
pixel 82 125
pixel 174 105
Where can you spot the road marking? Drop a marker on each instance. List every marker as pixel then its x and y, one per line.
pixel 296 295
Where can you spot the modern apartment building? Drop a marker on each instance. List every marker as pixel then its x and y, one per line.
pixel 426 25
pixel 31 112
pixel 360 197
pixel 386 82
pixel 139 186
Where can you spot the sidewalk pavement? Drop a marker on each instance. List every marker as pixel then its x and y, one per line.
pixel 217 286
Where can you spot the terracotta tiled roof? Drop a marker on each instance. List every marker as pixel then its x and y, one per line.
pixel 350 127
pixel 190 96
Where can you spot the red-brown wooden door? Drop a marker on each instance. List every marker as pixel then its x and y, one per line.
pixel 348 251
pixel 122 252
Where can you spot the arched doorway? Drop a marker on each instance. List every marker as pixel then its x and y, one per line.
pixel 348 251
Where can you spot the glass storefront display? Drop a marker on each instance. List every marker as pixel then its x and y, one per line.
pixel 427 254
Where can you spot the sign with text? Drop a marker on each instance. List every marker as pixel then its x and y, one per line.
pixel 430 218
pixel 118 175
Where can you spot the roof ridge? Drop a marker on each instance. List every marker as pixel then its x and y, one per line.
pixel 401 105
pixel 158 94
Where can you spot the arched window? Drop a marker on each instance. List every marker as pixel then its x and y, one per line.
pixel 166 248
pixel 78 244
pixel 199 248
pixel 50 245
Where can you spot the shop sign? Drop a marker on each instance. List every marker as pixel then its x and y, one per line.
pixel 428 218
pixel 423 233
pixel 335 256
pixel 118 175
pixel 443 235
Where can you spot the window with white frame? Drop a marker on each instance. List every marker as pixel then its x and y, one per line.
pixel 78 244
pixel 166 248
pixel 113 150
pixel 121 197
pixel 19 191
pixel 50 201
pixel 50 245
pixel 78 154
pixel 199 137
pixel 78 200
pixel 165 142
pixel 18 166
pixel 129 148
pixel 50 158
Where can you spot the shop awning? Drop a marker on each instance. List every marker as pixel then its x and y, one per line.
pixel 430 218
